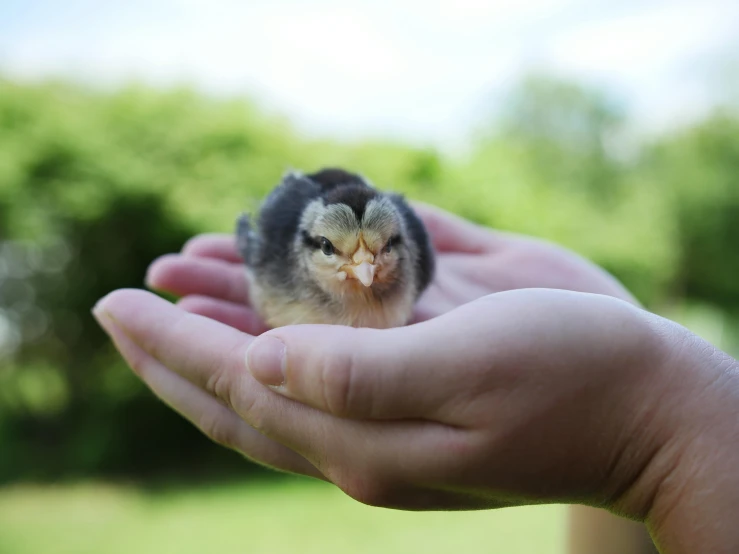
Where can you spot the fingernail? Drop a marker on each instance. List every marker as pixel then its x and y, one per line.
pixel 102 317
pixel 98 309
pixel 266 360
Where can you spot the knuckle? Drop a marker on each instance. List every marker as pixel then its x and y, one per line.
pixel 339 383
pixel 257 413
pixel 256 417
pixel 218 384
pixel 222 381
pixel 218 430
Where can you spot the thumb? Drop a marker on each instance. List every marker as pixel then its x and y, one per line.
pixel 406 372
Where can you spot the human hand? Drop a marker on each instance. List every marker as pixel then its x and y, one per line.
pixel 474 261
pixel 525 396
pixel 471 262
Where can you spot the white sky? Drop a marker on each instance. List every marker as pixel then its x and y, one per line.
pixel 421 70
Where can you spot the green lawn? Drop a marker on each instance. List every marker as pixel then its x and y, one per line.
pixel 291 516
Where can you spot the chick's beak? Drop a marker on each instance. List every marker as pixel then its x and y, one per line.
pixel 362 267
pixel 365 272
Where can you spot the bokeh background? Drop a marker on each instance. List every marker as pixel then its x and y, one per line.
pixel 127 127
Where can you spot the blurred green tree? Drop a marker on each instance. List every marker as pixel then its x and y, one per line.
pixel 569 132
pixel 698 170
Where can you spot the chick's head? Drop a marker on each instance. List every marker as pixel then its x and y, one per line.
pixel 352 243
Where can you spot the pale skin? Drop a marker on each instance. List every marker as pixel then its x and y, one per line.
pixel 524 396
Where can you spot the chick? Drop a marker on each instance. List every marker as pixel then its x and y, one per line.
pixel 330 248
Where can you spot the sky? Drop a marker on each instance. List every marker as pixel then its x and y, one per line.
pixel 425 71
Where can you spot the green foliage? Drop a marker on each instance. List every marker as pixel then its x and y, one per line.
pixel 698 170
pixel 568 133
pixel 93 186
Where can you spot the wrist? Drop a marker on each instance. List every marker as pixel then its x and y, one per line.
pixel 688 490
pixel 697 504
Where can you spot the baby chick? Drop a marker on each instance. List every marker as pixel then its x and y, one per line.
pixel 330 248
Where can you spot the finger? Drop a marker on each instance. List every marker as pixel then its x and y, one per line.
pixel 419 371
pixel 211 355
pixel 182 276
pixel 195 347
pixel 206 353
pixel 217 421
pixel 217 246
pixel 235 315
pixel 450 233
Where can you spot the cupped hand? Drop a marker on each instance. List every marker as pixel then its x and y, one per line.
pixel 524 396
pixel 521 397
pixel 472 262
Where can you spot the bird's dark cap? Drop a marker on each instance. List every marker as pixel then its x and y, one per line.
pixel 356 196
pixel 331 177
pixel 339 186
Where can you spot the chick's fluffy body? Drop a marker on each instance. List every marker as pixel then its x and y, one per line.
pixel 308 229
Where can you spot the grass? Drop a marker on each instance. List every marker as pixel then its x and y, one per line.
pixel 291 516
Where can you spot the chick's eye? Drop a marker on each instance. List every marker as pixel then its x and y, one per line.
pixel 391 244
pixel 326 247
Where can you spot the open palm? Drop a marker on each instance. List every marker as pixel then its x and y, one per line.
pixel 471 262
